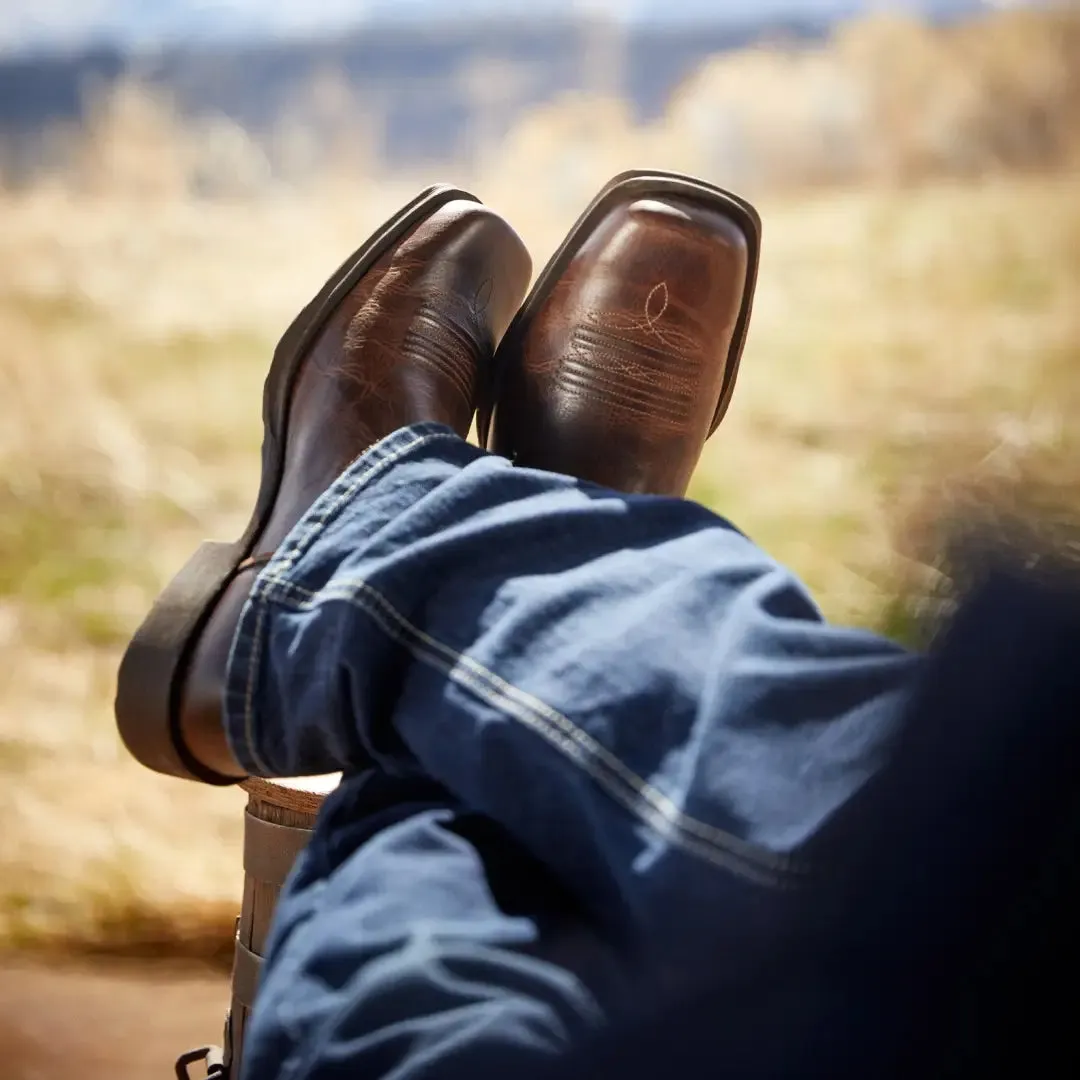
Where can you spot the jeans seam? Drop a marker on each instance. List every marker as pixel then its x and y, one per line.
pixel 340 496
pixel 319 518
pixel 254 662
pixel 650 806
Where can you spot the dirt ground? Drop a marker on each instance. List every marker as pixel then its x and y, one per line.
pixel 104 1021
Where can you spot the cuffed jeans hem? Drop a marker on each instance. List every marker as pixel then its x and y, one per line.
pixel 415 442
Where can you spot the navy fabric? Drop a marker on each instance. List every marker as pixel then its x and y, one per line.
pixel 619 703
pixel 944 939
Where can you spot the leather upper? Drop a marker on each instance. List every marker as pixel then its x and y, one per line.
pixel 616 374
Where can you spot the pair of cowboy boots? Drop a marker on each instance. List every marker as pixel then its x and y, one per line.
pixel 615 368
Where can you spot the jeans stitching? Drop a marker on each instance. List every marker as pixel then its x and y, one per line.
pixel 338 498
pixel 249 691
pixel 645 802
pixel 319 517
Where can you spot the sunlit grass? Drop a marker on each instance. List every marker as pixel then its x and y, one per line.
pixel 907 347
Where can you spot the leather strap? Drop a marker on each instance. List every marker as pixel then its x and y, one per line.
pixel 271 849
pixel 247 967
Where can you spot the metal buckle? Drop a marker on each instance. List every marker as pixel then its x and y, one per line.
pixel 212 1055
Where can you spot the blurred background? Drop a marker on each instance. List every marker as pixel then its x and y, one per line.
pixel 178 178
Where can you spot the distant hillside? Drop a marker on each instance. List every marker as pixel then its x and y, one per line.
pixel 427 86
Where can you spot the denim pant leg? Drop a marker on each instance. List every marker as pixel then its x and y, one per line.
pixel 414 941
pixel 647 703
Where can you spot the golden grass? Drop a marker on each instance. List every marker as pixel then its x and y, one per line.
pixel 902 341
pixel 915 352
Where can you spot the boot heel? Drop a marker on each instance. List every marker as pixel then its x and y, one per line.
pixel 151 673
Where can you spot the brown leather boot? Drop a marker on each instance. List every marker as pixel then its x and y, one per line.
pixel 403 332
pixel 622 360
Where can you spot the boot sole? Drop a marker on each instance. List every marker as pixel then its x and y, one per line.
pixel 623 188
pixel 152 672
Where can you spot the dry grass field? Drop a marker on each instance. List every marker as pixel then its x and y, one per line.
pixel 915 347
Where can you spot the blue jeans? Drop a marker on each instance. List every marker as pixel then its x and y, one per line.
pixel 589 740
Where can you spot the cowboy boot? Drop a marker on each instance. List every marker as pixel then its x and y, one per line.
pixel 622 360
pixel 403 332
